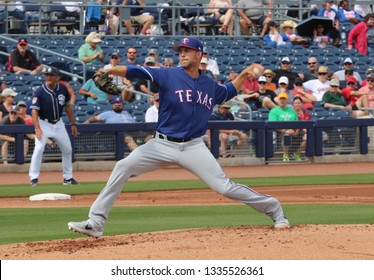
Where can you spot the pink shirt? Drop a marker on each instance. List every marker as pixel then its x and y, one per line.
pixel 370 96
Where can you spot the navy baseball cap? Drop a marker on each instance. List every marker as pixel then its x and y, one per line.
pixel 191 43
pixel 117 101
pixel 51 71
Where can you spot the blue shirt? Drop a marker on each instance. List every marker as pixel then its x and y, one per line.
pixel 91 86
pixel 186 103
pixel 50 103
pixel 114 117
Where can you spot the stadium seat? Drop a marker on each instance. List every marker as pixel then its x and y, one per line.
pixel 140 105
pixel 138 115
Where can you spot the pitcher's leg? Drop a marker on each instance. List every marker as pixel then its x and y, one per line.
pixel 201 162
pixel 143 159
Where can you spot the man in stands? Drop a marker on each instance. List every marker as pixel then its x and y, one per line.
pixel 23 60
pixel 285 70
pixel 347 65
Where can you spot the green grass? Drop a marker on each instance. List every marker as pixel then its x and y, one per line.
pixel 34 224
pixel 94 188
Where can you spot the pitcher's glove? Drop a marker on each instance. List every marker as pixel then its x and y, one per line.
pixel 104 82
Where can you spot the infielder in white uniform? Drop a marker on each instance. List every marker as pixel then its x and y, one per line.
pixel 187 98
pixel 47 105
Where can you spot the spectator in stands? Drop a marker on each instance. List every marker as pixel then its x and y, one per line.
pixel 203 68
pixel 8 100
pixel 312 72
pixel 250 17
pixel 151 115
pixel 285 70
pixel 347 65
pixel 369 88
pixel 319 37
pixel 287 30
pixel 282 112
pixel 212 63
pixel 2 85
pixel 223 114
pixel 145 20
pixel 91 52
pixel 154 53
pixel 269 75
pixel 361 36
pixel 143 84
pixel 334 99
pixel 21 59
pixel 117 115
pixel 306 97
pixel 330 12
pixel 367 74
pixel 283 84
pixel 302 115
pixel 250 85
pixel 111 17
pixel 11 119
pixel 92 93
pixel 346 14
pixel 168 62
pixel 131 57
pixel 320 85
pixel 274 39
pixel 121 82
pixel 263 97
pixel 356 99
pixel 223 13
pixel 72 11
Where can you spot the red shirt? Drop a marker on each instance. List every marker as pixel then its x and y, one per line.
pixel 351 99
pixel 303 115
pixel 305 105
pixel 250 85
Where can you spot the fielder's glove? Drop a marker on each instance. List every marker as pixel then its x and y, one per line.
pixel 104 82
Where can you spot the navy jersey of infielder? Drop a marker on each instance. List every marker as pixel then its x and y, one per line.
pixel 47 105
pixel 187 98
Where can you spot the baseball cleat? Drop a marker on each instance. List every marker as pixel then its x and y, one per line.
pixel 281 222
pixel 70 181
pixel 86 228
pixel 34 182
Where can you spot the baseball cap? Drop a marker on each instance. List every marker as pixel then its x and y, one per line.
pixel 204 60
pixel 152 51
pixel 323 69
pixel 22 41
pixel 51 71
pixel 117 101
pixel 351 80
pixel 226 105
pixel 191 43
pixel 21 103
pixel 286 59
pixel 283 95
pixel 115 54
pixel 14 108
pixel 283 79
pixel 271 23
pixel 262 79
pixel 348 59
pixel 8 92
pixel 149 59
pixel 334 82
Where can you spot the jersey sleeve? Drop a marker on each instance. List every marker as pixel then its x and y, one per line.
pixel 35 101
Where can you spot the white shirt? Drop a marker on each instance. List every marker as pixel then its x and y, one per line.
pixel 71 8
pixel 341 76
pixel 317 88
pixel 151 115
pixel 213 66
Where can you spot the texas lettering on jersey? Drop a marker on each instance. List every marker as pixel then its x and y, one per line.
pixel 202 98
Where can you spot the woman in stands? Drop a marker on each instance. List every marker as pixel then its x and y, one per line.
pixel 223 13
pixel 361 36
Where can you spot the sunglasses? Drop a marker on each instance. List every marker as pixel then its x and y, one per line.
pixel 370 81
pixel 347 63
pixel 283 84
pixel 117 104
pixel 262 83
pixel 286 63
pixel 269 77
pixel 351 84
pixel 131 52
pixel 311 63
pixel 334 86
pixel 114 57
pixel 322 73
pixel 298 85
pixel 13 113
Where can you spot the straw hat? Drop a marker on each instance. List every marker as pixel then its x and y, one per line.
pixel 288 23
pixel 93 37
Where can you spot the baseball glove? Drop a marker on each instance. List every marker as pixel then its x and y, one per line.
pixel 104 82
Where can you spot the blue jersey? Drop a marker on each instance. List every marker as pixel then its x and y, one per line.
pixel 186 103
pixel 50 103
